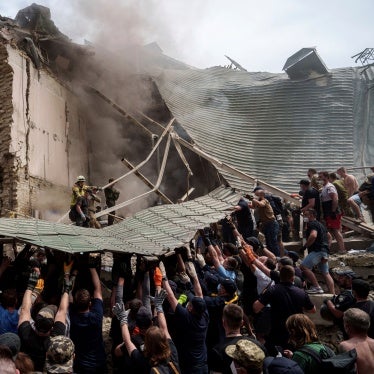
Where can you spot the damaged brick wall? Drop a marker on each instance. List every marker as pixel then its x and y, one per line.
pixel 8 176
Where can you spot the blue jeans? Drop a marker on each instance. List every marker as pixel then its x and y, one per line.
pixel 270 230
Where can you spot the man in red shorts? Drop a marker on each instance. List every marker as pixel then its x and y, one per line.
pixel 330 209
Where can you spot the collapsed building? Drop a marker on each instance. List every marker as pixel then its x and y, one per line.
pixel 66 110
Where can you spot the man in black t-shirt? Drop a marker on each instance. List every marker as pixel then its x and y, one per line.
pixel 232 320
pixel 318 248
pixel 285 299
pixel 310 198
pixel 244 217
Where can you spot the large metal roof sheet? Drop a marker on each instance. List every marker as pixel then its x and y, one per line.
pixel 150 232
pixel 271 127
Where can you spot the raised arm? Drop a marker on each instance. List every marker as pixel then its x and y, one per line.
pixel 122 316
pixel 64 303
pixel 25 310
pixel 95 279
pixel 190 267
pixel 165 284
pixel 158 301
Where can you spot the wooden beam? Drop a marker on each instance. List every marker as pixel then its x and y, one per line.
pixel 357 226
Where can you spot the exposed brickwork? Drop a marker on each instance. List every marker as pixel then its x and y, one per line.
pixel 8 176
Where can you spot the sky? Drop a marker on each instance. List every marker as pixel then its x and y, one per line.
pixel 260 34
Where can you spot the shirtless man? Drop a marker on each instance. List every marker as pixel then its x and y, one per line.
pixel 350 182
pixel 356 324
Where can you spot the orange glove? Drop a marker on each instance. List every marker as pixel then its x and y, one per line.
pixel 249 252
pixel 157 277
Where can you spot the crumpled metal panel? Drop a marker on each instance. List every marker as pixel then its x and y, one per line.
pixel 150 232
pixel 271 127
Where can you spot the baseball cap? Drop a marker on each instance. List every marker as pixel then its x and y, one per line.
pixel 45 318
pixel 143 318
pixel 248 354
pixel 305 182
pixel 229 285
pixel 12 341
pixel 60 355
pixel 345 271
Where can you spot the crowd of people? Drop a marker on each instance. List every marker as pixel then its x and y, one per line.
pixel 226 303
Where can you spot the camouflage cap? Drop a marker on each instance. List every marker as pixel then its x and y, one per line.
pixel 60 355
pixel 45 318
pixel 246 353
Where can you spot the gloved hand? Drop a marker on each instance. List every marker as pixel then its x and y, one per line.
pixel 249 252
pixel 206 241
pixel 157 277
pixel 68 286
pixel 192 246
pixel 182 299
pixel 120 312
pixel 68 266
pixel 93 260
pixel 184 278
pixel 83 217
pixel 159 299
pixel 200 260
pixel 190 268
pixel 33 280
pixel 161 266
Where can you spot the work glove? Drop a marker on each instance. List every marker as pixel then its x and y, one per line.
pixel 33 280
pixel 157 277
pixel 184 278
pixel 161 266
pixel 68 286
pixel 190 268
pixel 192 246
pixel 120 312
pixel 206 241
pixel 39 286
pixel 92 261
pixel 182 299
pixel 159 299
pixel 249 252
pixel 200 260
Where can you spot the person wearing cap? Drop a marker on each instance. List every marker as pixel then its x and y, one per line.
pixel 356 325
pixel 60 356
pixel 318 253
pixel 333 309
pixel 232 321
pixel 111 196
pixel 269 224
pixel 247 357
pixel 310 198
pixel 360 290
pixel 191 324
pixel 284 299
pixel 330 208
pixel 12 341
pixel 86 319
pixel 34 341
pixel 244 218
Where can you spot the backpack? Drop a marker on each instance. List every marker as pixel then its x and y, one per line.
pixel 276 204
pixel 342 363
pixel 73 214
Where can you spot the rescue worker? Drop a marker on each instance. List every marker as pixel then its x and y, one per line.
pixel 111 196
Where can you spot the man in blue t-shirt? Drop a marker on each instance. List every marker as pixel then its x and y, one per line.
pixel 86 318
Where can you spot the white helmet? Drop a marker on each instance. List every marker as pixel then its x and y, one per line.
pixel 81 178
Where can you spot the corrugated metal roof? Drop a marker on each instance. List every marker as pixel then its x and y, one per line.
pixel 150 232
pixel 269 126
